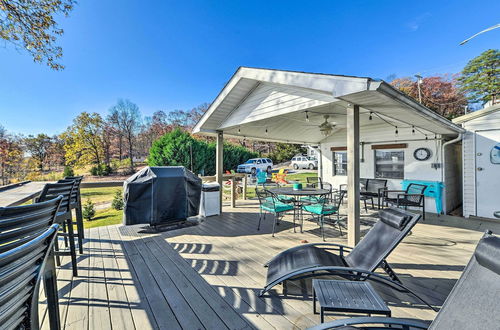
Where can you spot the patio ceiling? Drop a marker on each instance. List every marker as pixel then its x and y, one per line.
pixel 271 105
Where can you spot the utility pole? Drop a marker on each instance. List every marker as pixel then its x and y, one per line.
pixel 419 82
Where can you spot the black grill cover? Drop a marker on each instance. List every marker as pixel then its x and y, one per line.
pixel 161 195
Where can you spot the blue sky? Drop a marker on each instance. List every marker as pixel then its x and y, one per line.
pixel 166 55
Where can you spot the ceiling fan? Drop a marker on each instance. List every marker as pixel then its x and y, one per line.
pixel 326 127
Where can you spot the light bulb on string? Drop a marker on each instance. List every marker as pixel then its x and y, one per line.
pixel 413 130
pixel 396 132
pixel 239 130
pixel 307 116
pixel 371 117
pixel 266 131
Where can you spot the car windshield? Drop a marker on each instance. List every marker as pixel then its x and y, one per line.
pixel 250 161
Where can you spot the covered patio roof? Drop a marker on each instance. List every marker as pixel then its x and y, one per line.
pixel 289 106
pixel 286 106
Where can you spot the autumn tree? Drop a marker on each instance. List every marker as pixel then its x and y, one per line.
pixel 126 118
pixel 83 140
pixel 11 156
pixel 31 26
pixel 439 93
pixel 480 78
pixel 38 147
pixel 56 156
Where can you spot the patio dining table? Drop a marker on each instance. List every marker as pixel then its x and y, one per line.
pixel 297 200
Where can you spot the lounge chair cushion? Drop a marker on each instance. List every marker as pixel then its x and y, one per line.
pixel 394 218
pixel 487 253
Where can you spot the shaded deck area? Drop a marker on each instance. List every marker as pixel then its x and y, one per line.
pixel 209 275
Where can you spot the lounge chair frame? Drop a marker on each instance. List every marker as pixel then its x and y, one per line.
pixel 353 272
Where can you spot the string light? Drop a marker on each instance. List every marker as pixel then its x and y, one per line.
pixel 371 117
pixel 266 130
pixel 396 130
pixel 307 116
pixel 426 137
pixel 413 130
pixel 239 130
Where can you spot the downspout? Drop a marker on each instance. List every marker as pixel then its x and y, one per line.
pixel 443 170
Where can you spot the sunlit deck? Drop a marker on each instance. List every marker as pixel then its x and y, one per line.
pixel 208 276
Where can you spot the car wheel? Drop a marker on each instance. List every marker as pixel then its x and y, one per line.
pixel 253 170
pixel 311 166
pixel 269 169
pixel 295 166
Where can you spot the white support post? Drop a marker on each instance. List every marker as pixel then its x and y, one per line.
pixel 320 162
pixel 219 160
pixel 353 224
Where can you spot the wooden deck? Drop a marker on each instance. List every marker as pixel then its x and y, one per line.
pixel 209 275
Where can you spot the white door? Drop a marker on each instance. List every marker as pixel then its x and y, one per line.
pixel 487 172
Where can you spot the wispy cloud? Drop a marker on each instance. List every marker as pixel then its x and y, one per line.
pixel 415 23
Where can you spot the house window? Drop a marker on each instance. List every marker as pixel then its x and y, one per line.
pixel 389 164
pixel 340 163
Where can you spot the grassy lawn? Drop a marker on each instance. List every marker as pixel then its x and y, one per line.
pixel 99 195
pixel 105 217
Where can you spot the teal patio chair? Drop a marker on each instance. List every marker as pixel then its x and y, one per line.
pixel 324 207
pixel 271 203
pixel 283 198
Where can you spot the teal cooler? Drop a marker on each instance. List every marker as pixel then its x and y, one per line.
pixel 434 189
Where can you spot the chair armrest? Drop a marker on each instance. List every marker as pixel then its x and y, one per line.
pixel 372 320
pixel 420 195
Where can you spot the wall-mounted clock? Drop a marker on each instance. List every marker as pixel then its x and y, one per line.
pixel 422 154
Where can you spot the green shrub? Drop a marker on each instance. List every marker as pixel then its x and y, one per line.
pixel 101 170
pixel 117 202
pixel 88 210
pixel 68 171
pixel 174 149
pixel 284 152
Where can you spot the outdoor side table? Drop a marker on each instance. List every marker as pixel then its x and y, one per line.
pixel 347 297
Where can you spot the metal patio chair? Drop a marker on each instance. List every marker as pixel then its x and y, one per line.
pixel 324 207
pixel 26 238
pixel 63 218
pixel 413 196
pixel 374 188
pixel 472 303
pixel 76 204
pixel 271 203
pixel 314 181
pixel 316 259
pixel 21 271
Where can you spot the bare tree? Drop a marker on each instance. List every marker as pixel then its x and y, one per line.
pixel 126 117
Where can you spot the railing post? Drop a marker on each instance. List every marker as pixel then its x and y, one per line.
pixel 244 184
pixel 233 192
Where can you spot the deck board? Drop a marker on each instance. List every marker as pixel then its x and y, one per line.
pixel 208 276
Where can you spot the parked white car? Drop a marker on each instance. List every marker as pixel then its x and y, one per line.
pixel 254 164
pixel 304 162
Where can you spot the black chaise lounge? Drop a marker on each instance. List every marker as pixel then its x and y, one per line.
pixel 472 304
pixel 310 260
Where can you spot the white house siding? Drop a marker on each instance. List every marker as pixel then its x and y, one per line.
pixel 488 121
pixel 414 170
pixel 469 179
